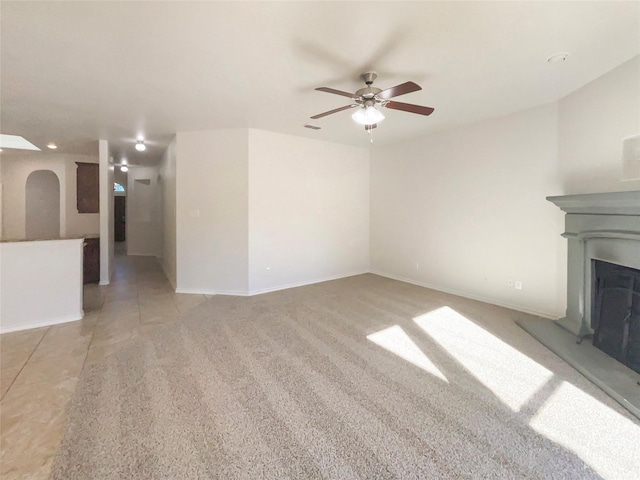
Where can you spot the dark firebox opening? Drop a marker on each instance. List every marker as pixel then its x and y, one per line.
pixel 615 316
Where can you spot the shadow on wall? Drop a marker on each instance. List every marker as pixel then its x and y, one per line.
pixel 598 180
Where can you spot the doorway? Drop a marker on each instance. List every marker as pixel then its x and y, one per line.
pixel 120 220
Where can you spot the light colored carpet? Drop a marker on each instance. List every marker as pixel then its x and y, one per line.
pixel 335 380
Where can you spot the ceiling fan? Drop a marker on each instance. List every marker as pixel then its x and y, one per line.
pixel 368 98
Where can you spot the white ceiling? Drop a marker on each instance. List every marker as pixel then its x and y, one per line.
pixel 73 72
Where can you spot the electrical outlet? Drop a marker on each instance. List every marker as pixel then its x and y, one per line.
pixel 518 285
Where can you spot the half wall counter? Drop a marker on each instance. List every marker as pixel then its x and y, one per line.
pixel 40 282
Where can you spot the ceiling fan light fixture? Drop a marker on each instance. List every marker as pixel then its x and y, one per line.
pixel 140 146
pixel 368 115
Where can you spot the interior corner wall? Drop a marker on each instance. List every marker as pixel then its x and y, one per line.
pixel 168 212
pixel 212 211
pixel 308 211
pixel 144 234
pixel 106 212
pixel 464 211
pixel 593 122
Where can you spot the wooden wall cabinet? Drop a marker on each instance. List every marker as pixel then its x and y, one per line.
pixel 88 187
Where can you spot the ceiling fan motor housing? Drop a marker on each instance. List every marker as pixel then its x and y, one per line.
pixel 369 92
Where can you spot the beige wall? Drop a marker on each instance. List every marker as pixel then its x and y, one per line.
pixel 464 211
pixel 168 212
pixel 106 212
pixel 144 234
pixel 42 218
pixel 15 171
pixel 211 211
pixel 468 205
pixel 594 121
pixel 259 211
pixel 308 210
pixel 40 283
pixel 1 188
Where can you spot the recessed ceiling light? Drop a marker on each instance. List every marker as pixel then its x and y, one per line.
pixel 124 168
pixel 558 57
pixel 52 145
pixel 17 142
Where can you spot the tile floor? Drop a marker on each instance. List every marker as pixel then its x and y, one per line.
pixel 40 367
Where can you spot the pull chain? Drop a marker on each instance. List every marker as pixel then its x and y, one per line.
pixel 369 130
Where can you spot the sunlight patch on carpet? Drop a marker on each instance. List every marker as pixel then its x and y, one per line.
pixel 592 430
pixel 396 340
pixel 508 373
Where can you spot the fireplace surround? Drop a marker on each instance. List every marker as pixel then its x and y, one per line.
pixel 602 226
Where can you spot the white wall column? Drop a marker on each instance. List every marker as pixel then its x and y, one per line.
pixel 106 213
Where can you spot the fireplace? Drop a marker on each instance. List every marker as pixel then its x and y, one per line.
pixel 615 316
pixel 604 227
pixel 603 294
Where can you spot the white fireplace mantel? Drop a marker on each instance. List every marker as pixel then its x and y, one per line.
pixel 601 226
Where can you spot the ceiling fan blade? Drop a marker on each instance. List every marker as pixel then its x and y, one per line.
pixel 398 90
pixel 408 107
pixel 337 92
pixel 336 110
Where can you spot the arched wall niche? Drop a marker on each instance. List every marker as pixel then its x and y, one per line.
pixel 42 205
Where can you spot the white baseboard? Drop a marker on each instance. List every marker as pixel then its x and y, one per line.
pixel 48 323
pixel 205 291
pixel 251 293
pixel 479 298
pixel 306 282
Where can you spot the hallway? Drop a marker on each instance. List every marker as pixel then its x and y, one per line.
pixel 41 367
